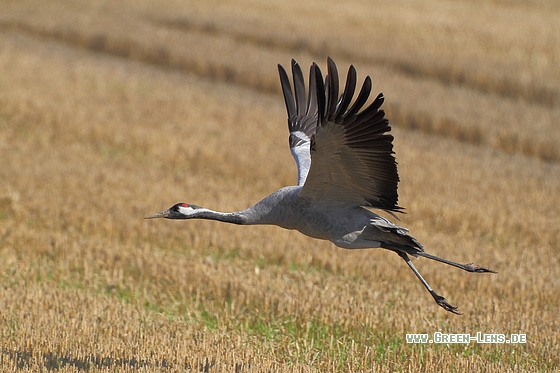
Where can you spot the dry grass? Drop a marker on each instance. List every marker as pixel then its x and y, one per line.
pixel 112 111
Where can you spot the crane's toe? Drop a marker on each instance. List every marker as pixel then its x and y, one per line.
pixel 445 305
pixel 471 267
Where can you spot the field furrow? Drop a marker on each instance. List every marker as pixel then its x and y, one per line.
pixel 499 117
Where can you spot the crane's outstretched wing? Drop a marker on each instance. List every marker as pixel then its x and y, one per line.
pixel 352 160
pixel 302 116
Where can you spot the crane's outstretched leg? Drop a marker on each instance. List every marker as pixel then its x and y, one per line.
pixel 438 298
pixel 470 267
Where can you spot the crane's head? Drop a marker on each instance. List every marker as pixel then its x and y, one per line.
pixel 178 211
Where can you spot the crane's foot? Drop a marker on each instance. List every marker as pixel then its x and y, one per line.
pixel 444 304
pixel 471 267
pixel 438 298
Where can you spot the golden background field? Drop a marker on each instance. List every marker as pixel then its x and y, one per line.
pixel 110 111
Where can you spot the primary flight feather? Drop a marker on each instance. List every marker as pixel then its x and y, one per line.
pixel 346 165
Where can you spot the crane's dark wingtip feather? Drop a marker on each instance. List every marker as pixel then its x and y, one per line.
pixel 299 89
pixel 332 88
pixel 347 94
pixel 287 91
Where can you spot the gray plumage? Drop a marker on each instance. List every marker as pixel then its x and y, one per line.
pixel 344 154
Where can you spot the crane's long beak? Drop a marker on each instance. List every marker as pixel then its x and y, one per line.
pixel 162 214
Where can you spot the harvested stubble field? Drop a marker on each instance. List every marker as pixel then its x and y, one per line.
pixel 113 110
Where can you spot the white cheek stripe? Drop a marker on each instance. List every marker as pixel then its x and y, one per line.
pixel 187 210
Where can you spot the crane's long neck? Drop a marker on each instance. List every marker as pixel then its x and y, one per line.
pixel 276 209
pixel 257 214
pixel 227 217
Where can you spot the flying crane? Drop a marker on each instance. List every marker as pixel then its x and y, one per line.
pixel 344 155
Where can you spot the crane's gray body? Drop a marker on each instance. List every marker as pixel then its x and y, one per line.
pixel 349 227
